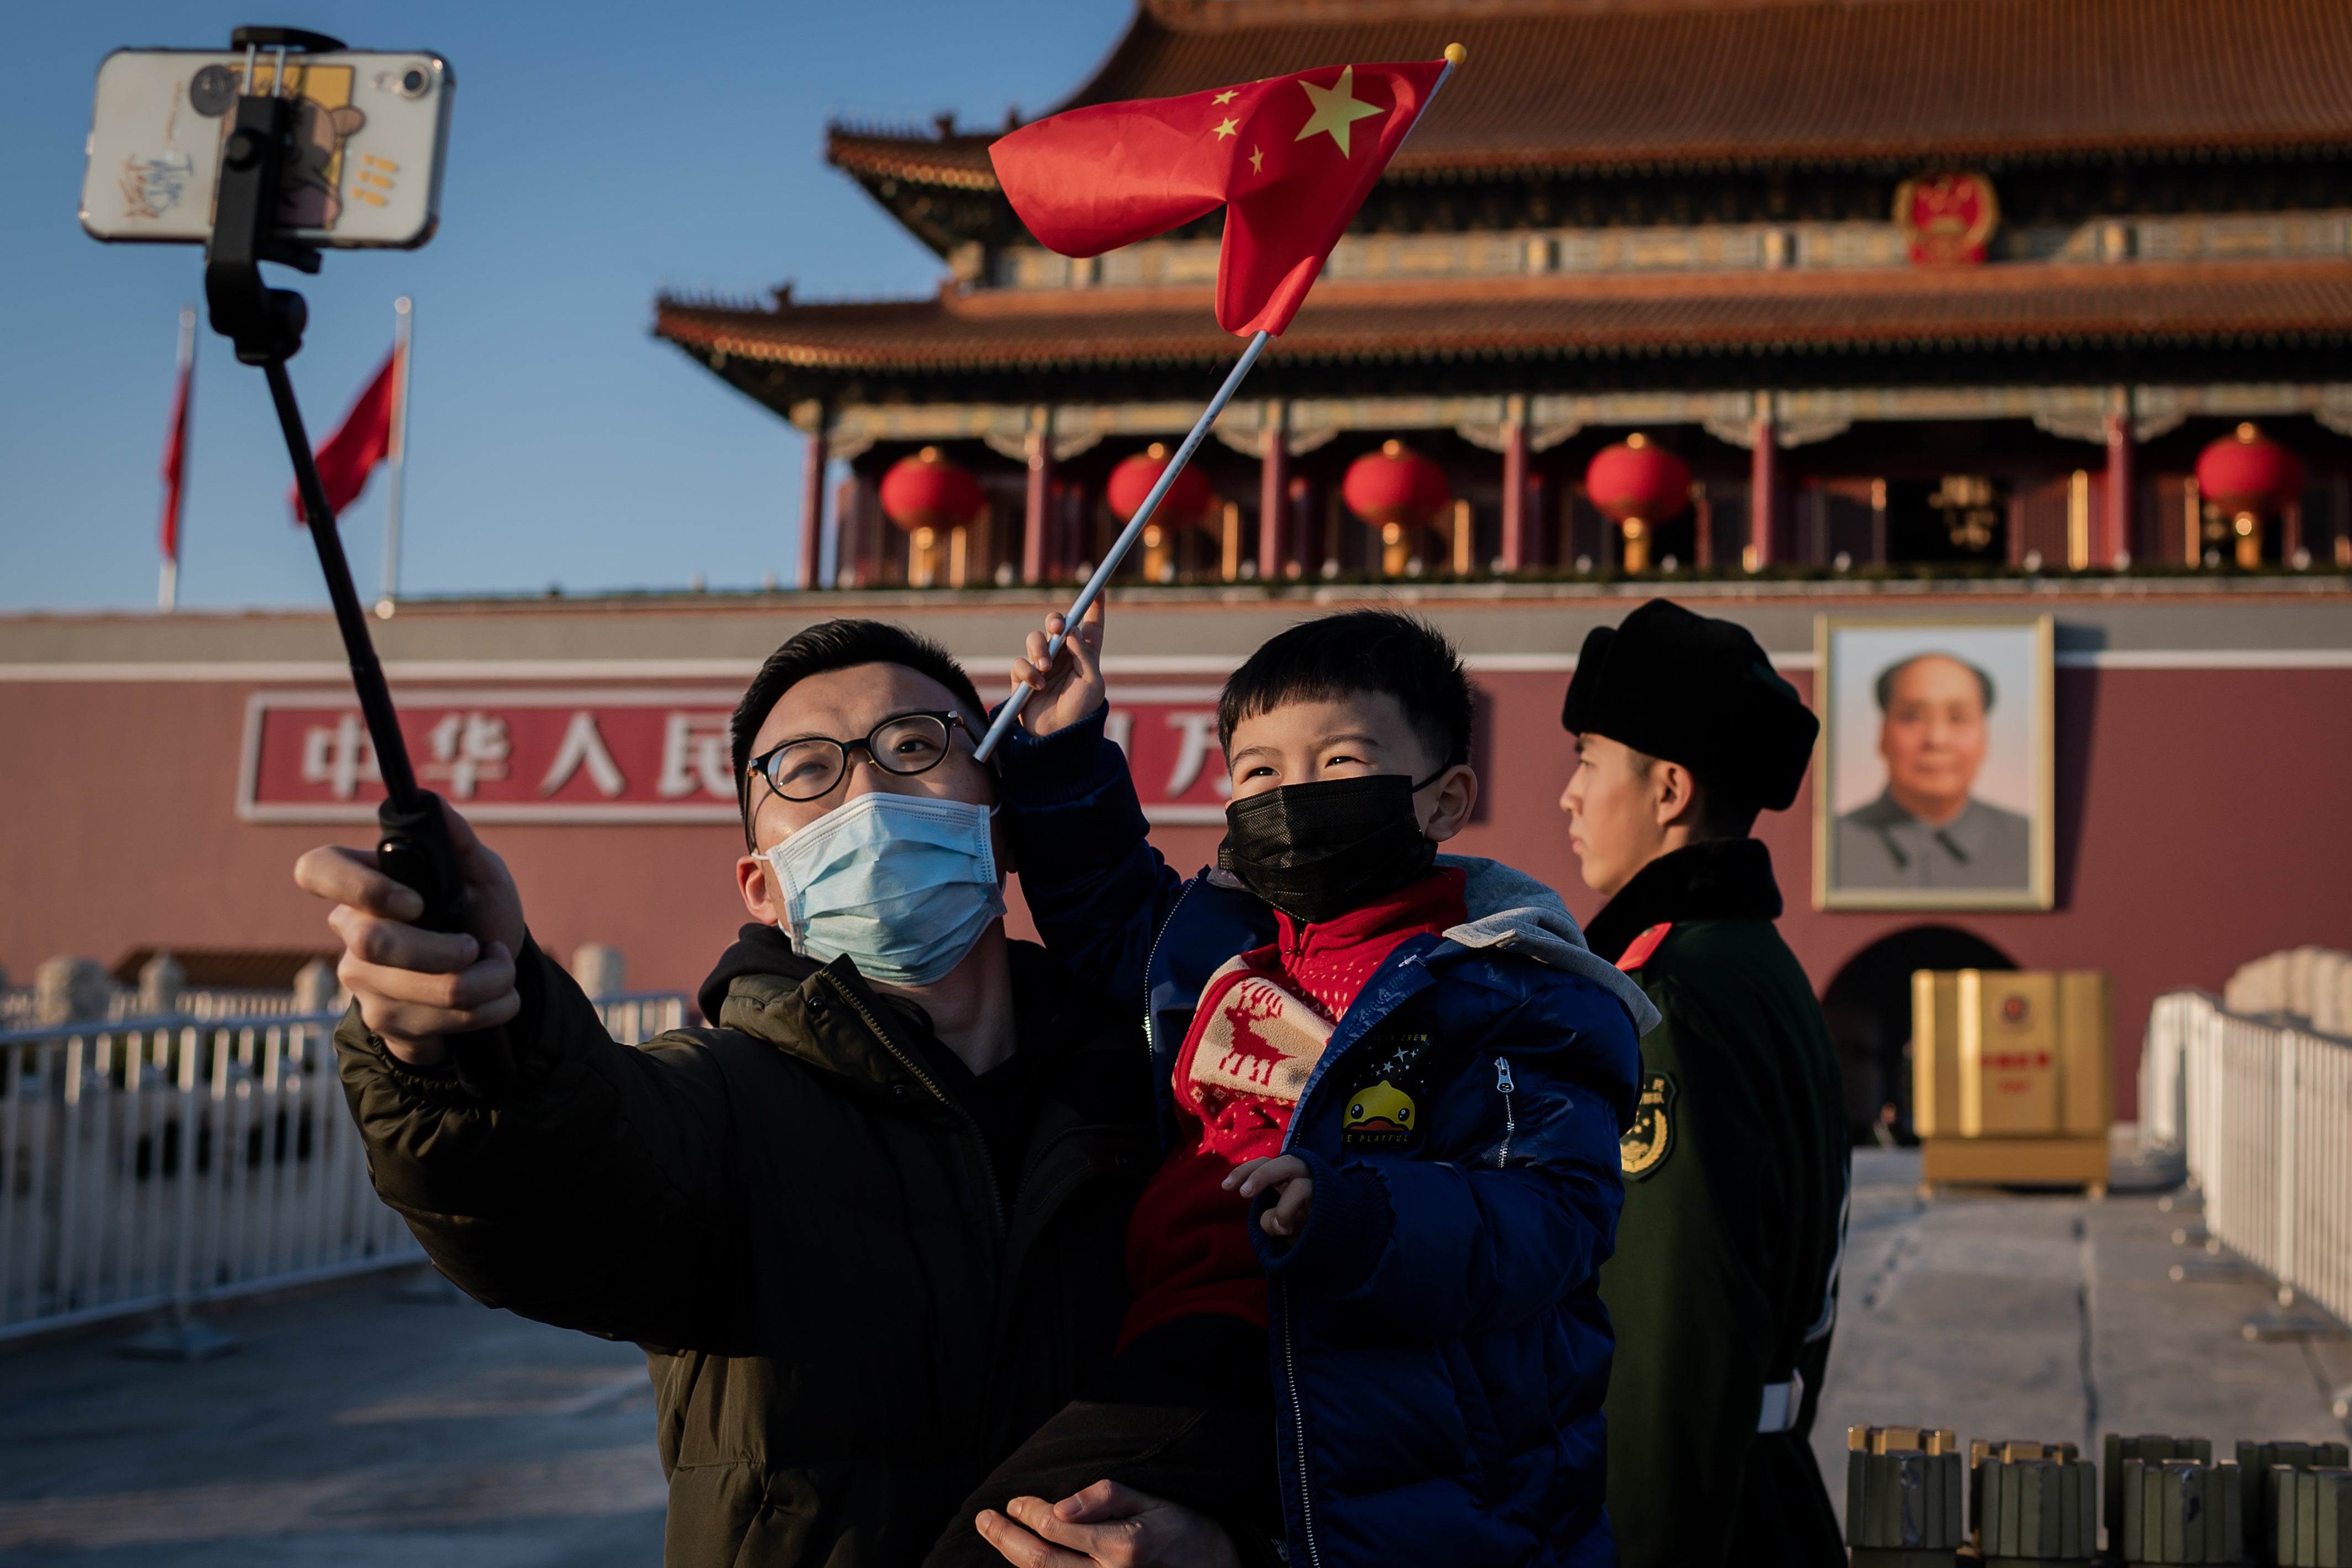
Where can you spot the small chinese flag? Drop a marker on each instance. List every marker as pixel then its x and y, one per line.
pixel 1290 159
pixel 346 458
pixel 175 460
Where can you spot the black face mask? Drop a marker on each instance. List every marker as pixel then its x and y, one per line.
pixel 1316 851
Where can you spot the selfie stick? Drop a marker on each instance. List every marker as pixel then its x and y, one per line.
pixel 265 324
pixel 1007 716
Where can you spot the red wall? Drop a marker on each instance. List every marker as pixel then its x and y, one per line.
pixel 2204 820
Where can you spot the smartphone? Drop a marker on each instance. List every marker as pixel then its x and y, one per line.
pixel 370 135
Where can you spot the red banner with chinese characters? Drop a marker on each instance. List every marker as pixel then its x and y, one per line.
pixel 499 756
pixel 622 756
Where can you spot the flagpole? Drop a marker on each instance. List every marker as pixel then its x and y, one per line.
pixel 167 587
pixel 1010 713
pixel 404 319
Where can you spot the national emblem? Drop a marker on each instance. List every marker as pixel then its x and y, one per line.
pixel 1644 1145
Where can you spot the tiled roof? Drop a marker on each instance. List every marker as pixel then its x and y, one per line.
pixel 2016 307
pixel 960 163
pixel 1611 84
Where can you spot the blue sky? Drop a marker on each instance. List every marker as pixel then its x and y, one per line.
pixel 599 154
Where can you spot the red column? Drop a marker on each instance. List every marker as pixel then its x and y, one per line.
pixel 1763 486
pixel 1038 515
pixel 812 507
pixel 1273 488
pixel 2114 549
pixel 1514 490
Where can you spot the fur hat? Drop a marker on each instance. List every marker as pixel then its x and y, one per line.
pixel 1697 691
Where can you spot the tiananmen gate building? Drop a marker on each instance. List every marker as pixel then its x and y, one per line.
pixel 1938 319
pixel 1901 282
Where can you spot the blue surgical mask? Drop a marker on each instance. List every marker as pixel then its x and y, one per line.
pixel 904 885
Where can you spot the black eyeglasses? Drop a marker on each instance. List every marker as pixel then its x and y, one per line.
pixel 905 744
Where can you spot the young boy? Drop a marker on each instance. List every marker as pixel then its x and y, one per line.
pixel 1403 1118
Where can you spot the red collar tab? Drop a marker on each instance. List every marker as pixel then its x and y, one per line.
pixel 1638 953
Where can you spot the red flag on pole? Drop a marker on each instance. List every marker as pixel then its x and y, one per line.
pixel 175 457
pixel 1290 159
pixel 364 440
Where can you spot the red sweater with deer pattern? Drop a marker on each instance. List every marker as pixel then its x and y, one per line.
pixel 1263 1022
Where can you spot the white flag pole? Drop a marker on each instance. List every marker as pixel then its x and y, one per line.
pixel 1010 713
pixel 403 317
pixel 1126 537
pixel 167 588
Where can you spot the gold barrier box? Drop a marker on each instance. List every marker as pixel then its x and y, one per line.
pixel 2012 1075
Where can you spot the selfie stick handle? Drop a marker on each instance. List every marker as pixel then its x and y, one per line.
pixel 1010 713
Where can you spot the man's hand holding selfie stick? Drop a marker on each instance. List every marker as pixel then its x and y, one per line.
pixel 417 985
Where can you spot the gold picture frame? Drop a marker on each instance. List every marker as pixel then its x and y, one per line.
pixel 1872 852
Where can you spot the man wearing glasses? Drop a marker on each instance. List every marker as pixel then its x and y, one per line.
pixel 868 1226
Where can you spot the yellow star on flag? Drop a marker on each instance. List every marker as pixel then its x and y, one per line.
pixel 1230 128
pixel 1227 95
pixel 1257 161
pixel 1336 107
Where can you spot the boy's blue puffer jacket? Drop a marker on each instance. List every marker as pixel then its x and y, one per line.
pixel 1439 1347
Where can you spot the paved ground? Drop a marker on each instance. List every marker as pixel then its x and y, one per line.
pixel 353 1428
pixel 2052 1318
pixel 360 1428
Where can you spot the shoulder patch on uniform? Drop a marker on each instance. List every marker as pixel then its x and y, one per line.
pixel 1644 1145
pixel 1637 953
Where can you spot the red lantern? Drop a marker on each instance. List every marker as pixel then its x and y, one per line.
pixel 1395 487
pixel 928 494
pixel 1189 500
pixel 2248 472
pixel 2247 476
pixel 1399 492
pixel 1638 486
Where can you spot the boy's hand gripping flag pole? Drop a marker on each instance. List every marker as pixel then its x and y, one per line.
pixel 1278 155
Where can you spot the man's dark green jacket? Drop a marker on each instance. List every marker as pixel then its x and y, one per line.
pixel 849 1315
pixel 1736 1173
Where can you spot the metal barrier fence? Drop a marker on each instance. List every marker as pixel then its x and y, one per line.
pixel 2263 1112
pixel 160 1162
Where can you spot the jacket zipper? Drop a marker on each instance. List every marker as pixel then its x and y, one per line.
pixel 987 1165
pixel 1150 1048
pixel 1503 1086
pixel 1153 957
pixel 1299 1434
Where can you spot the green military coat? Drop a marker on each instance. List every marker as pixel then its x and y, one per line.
pixel 1724 1275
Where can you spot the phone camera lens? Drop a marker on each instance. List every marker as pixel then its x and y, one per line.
pixel 211 90
pixel 412 82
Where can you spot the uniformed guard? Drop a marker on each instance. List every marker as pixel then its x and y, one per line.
pixel 1724 1286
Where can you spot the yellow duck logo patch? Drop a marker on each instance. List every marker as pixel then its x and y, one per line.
pixel 1378 1117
